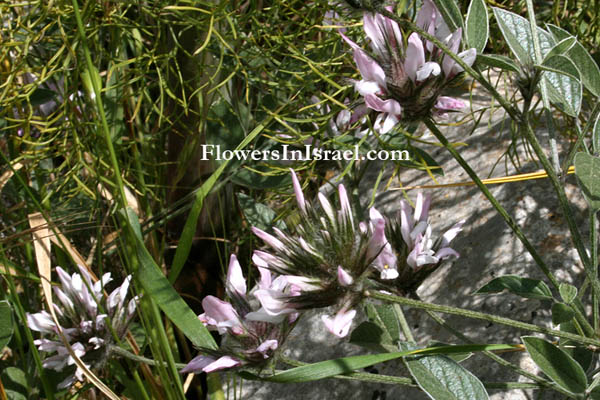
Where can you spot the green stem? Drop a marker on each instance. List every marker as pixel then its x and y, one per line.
pixel 580 136
pixel 564 203
pixel 507 218
pixel 538 60
pixel 403 324
pixel 95 80
pixel 540 382
pixel 119 351
pixel 594 246
pixel 481 316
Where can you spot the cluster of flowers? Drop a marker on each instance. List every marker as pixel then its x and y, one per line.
pixel 327 261
pixel 406 83
pixel 88 320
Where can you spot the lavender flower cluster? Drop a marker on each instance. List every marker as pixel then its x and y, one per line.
pixel 328 260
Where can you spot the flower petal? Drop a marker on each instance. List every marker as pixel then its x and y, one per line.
pixel 340 324
pixel 236 283
pixel 298 192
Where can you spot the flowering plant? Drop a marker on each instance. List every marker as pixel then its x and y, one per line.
pixel 88 318
pixel 406 82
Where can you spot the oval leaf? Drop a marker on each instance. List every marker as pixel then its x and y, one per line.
pixel 590 73
pixel 524 287
pixel 556 364
pixel 517 33
pixel 567 292
pixel 587 170
pixel 443 378
pixel 478 25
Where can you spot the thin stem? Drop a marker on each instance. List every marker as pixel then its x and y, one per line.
pixel 507 218
pixel 481 316
pixel 594 246
pixel 580 136
pixel 564 203
pixel 540 382
pixel 119 351
pixel 538 60
pixel 403 324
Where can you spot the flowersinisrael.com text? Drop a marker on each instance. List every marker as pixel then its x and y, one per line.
pixel 213 152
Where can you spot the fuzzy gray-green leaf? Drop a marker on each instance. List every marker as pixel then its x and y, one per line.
pixel 556 364
pixel 478 25
pixel 443 378
pixel 590 73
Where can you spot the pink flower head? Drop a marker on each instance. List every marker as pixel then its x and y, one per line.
pixel 403 82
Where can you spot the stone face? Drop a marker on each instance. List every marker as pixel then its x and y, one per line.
pixel 488 249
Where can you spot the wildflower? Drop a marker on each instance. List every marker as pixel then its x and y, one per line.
pixel 411 241
pixel 253 325
pixel 406 83
pixel 326 259
pixel 83 311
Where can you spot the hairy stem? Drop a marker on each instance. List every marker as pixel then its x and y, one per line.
pixel 481 316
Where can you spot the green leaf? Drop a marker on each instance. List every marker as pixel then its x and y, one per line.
pixel 590 73
pixel 563 91
pixel 561 313
pixel 327 369
pixel 478 25
pixel 580 353
pixel 443 378
pixel 6 323
pixel 560 48
pixel 158 287
pixel 556 364
pixel 14 381
pixel 258 214
pixel 524 287
pixel 517 33
pixel 564 87
pixel 451 13
pixel 587 170
pixel 385 317
pixel 567 292
pixel 596 136
pixel 498 61
pixel 371 336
